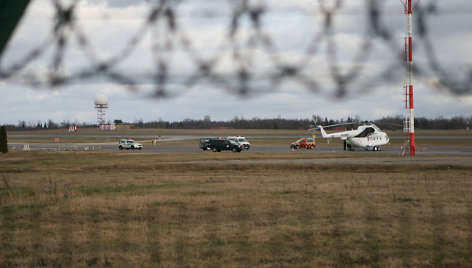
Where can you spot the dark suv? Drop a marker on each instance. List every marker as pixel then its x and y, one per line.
pixel 204 143
pixel 217 145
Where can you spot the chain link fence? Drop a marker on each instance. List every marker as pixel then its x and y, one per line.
pixel 335 48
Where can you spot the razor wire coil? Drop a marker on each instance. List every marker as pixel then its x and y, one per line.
pixel 246 33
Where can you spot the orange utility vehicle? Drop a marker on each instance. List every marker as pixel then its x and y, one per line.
pixel 308 143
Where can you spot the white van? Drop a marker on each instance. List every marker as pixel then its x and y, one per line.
pixel 241 140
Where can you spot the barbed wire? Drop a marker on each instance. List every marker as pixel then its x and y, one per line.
pixel 248 37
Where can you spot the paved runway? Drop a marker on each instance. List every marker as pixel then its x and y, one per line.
pixel 167 149
pixel 188 137
pixel 163 148
pixel 319 149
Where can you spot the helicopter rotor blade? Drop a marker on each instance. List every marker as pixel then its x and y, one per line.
pixel 337 125
pixel 389 126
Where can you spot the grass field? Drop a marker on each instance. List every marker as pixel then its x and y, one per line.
pixel 130 210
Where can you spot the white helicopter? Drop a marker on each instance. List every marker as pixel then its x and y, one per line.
pixel 367 136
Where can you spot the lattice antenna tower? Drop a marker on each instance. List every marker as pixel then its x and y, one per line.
pixel 101 105
pixel 409 117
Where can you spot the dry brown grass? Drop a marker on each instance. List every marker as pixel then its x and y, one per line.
pixel 99 209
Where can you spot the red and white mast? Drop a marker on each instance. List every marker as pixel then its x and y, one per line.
pixel 409 119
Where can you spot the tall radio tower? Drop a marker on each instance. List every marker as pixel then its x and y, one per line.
pixel 409 118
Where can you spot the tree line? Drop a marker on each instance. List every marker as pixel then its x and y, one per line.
pixel 395 122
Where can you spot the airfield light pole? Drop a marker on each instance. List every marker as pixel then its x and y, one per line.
pixel 409 119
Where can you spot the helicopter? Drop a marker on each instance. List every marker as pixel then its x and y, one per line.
pixel 367 136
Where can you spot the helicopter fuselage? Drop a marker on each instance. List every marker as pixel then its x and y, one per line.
pixel 367 136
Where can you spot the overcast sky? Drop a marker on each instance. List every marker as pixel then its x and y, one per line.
pixel 291 25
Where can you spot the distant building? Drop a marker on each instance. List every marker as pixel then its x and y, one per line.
pixel 124 126
pixel 107 127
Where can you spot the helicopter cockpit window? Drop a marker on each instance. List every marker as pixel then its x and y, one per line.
pixel 366 132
